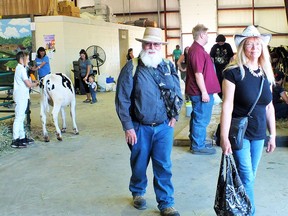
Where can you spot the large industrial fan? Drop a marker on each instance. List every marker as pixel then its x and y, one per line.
pixel 96 55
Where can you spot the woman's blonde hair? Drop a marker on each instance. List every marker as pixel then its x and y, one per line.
pixel 263 61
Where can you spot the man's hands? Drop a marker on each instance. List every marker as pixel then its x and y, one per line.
pixel 205 97
pixel 172 122
pixel 130 136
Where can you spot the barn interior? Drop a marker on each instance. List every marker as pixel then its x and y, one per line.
pixel 88 174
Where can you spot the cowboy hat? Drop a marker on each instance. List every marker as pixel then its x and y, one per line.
pixel 251 31
pixel 152 35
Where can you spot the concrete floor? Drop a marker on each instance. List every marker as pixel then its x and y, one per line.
pixel 88 174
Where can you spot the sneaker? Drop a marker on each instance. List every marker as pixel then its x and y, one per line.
pixel 27 141
pixel 139 202
pixel 205 151
pixel 17 144
pixel 170 211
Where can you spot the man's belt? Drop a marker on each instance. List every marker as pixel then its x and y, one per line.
pixel 152 124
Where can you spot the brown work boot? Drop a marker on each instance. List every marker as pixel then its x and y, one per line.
pixel 139 202
pixel 170 211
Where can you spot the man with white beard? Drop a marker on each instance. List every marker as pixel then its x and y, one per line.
pixel 148 129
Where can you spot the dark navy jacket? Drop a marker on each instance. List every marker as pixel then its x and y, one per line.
pixel 138 97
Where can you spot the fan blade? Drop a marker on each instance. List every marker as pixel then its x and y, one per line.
pixel 95 50
pixel 100 60
pixel 95 56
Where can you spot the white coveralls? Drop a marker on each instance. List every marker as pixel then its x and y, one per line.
pixel 21 97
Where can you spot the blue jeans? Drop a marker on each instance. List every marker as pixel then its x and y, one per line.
pixel 200 118
pixel 247 160
pixel 93 94
pixel 155 143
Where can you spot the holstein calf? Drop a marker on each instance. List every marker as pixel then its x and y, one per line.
pixel 58 91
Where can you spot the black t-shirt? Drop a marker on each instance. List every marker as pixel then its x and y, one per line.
pixel 221 54
pixel 277 90
pixel 246 92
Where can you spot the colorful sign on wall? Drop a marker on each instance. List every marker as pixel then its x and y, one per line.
pixel 15 36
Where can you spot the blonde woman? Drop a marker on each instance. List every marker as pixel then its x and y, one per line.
pixel 241 85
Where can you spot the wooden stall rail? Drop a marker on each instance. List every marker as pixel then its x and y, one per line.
pixel 8 100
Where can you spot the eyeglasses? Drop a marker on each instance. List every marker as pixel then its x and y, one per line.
pixel 250 45
pixel 154 44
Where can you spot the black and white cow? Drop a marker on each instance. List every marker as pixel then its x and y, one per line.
pixel 58 91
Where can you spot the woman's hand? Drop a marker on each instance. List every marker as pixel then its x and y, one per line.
pixel 226 146
pixel 271 124
pixel 271 144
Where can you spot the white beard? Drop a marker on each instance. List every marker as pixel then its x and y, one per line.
pixel 151 59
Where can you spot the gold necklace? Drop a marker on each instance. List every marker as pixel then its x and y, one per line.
pixel 259 74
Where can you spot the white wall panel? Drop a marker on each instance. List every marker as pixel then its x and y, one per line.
pixel 234 17
pixel 232 3
pixel 268 3
pixel 276 23
pixel 194 12
pixel 273 20
pixel 198 11
pixel 84 3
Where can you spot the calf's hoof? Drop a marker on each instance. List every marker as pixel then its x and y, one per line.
pixel 63 130
pixel 46 139
pixel 76 132
pixel 59 137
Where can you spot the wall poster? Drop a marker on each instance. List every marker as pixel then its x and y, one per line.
pixel 49 45
pixel 15 36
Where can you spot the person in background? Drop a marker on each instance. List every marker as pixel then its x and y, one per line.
pixel 148 129
pixel 86 69
pixel 176 55
pixel 92 88
pixel 42 63
pixel 182 63
pixel 129 54
pixel 241 86
pixel 280 97
pixel 32 78
pixel 21 87
pixel 221 54
pixel 200 86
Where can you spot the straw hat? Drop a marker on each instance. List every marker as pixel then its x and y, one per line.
pixel 251 31
pixel 152 35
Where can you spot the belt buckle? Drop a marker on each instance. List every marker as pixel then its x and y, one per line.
pixel 155 124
